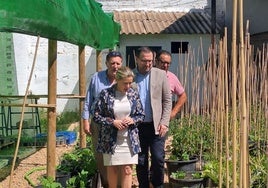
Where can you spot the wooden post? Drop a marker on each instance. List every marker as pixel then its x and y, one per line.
pixel 51 114
pixel 98 60
pixel 82 92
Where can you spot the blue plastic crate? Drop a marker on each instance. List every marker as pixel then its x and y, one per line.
pixel 70 136
pixel 41 135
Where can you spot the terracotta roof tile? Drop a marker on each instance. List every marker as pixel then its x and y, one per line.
pixel 154 22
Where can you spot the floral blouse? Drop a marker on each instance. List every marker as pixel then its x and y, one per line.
pixel 104 116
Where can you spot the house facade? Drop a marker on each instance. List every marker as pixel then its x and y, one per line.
pixel 183 34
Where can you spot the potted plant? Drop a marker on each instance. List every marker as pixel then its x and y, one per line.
pixel 81 164
pixel 190 140
pixel 186 179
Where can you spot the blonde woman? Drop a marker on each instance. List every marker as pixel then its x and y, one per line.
pixel 119 111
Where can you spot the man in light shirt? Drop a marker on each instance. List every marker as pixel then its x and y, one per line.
pixel 163 61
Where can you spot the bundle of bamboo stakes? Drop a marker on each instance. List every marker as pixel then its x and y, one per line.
pixel 232 91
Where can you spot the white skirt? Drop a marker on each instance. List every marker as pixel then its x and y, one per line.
pixel 122 154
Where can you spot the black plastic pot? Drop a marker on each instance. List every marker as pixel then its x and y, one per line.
pixel 62 178
pixel 176 165
pixel 193 183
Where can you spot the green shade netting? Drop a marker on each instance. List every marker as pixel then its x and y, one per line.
pixel 80 22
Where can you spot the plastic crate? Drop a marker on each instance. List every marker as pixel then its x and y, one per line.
pixel 41 135
pixel 70 136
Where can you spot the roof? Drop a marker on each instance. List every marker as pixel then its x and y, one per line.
pixel 156 22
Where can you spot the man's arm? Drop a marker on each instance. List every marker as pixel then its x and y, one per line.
pixel 180 102
pixel 87 106
pixel 86 126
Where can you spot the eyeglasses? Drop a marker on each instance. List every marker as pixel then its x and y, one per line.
pixel 145 60
pixel 113 54
pixel 164 62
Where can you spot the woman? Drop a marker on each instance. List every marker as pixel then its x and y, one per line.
pixel 119 111
pixel 99 81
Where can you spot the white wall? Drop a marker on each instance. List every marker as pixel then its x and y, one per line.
pixel 164 5
pixel 67 68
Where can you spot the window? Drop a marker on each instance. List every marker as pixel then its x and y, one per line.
pixel 179 47
pixel 130 51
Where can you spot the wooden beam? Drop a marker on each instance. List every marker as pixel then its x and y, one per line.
pixel 51 113
pixel 29 105
pixel 67 96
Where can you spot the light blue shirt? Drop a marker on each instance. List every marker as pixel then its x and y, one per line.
pixel 98 82
pixel 143 82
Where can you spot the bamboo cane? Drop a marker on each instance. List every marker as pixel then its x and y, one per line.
pixel 220 112
pixel 244 133
pixel 233 95
pixel 22 114
pixel 226 107
pixel 266 111
pixel 247 63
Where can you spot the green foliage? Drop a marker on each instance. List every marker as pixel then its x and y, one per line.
pixel 178 175
pixel 81 179
pixel 82 165
pixel 49 182
pixel 211 170
pixel 173 126
pixel 197 175
pixel 63 120
pixel 258 170
pixel 78 160
pixel 192 137
pixel 68 117
pixel 182 175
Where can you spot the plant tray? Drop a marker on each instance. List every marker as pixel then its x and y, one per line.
pixel 23 153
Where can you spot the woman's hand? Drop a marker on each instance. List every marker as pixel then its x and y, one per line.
pixel 128 121
pixel 119 124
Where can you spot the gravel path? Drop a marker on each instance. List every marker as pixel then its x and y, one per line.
pixel 38 159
